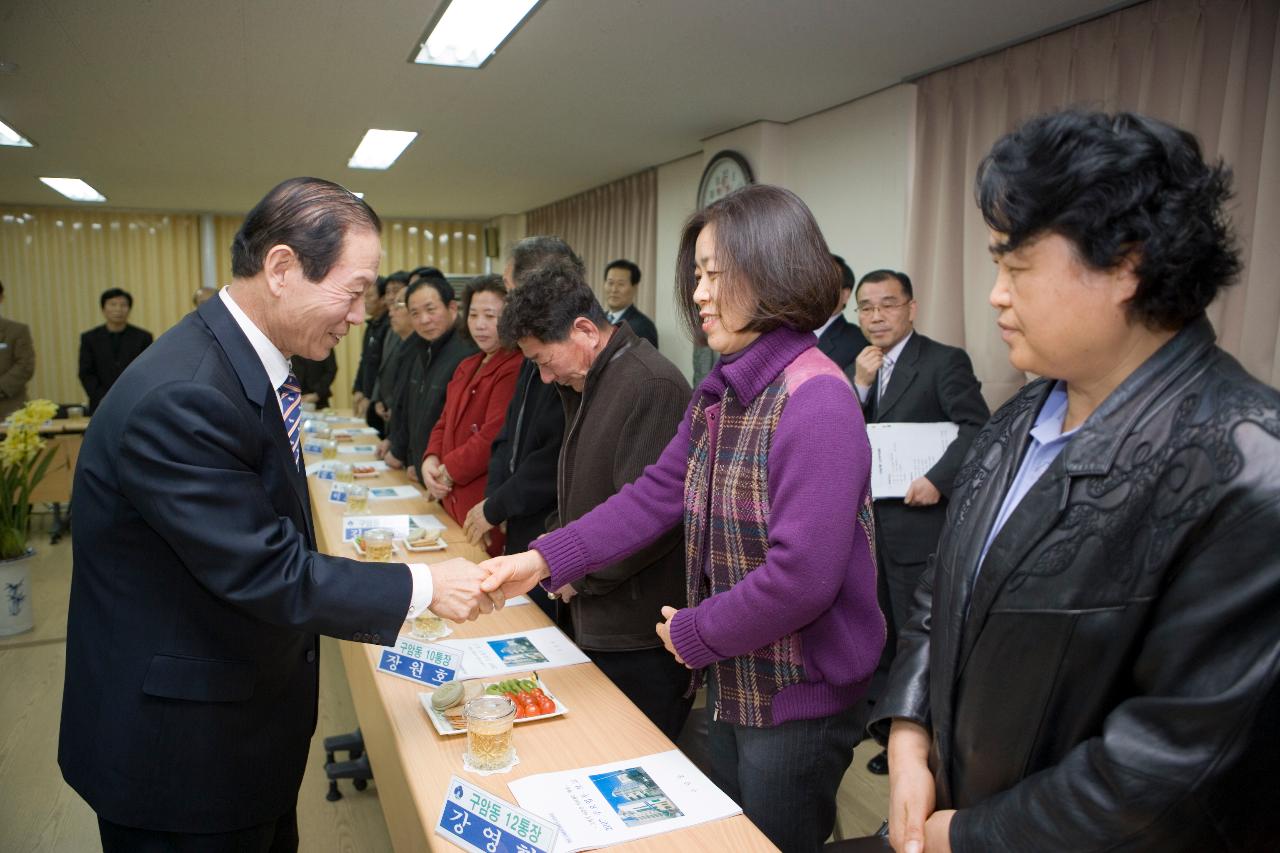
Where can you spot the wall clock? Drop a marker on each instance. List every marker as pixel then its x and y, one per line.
pixel 726 172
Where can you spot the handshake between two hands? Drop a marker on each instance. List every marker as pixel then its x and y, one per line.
pixel 463 590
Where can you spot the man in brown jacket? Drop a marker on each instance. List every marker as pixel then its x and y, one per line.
pixel 623 402
pixel 17 363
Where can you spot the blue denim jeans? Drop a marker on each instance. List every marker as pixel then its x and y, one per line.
pixel 784 777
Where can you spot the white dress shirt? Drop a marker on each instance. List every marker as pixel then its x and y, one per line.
pixel 277 367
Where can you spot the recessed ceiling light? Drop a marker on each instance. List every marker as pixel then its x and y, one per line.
pixel 74 189
pixel 380 148
pixel 9 136
pixel 466 33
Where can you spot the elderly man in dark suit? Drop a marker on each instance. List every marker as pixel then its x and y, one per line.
pixel 197 594
pixel 902 376
pixel 106 350
pixel 840 340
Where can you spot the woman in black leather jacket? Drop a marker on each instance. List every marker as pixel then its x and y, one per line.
pixel 1092 663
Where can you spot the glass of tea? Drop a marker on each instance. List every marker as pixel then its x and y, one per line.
pixel 429 626
pixel 377 545
pixel 329 449
pixel 489 724
pixel 357 499
pixel 343 472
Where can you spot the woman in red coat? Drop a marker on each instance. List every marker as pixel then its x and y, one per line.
pixel 456 465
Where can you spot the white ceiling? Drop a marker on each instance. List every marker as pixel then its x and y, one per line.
pixel 203 105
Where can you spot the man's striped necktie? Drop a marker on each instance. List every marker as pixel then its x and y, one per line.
pixel 291 410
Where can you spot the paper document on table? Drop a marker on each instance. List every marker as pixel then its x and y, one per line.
pixel 902 452
pixel 540 648
pixel 623 800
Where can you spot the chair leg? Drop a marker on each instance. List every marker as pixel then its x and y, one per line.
pixel 357 768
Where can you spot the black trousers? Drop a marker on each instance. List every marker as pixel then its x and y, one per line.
pixel 274 836
pixel 654 681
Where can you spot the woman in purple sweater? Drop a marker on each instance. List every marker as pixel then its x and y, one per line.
pixel 770 475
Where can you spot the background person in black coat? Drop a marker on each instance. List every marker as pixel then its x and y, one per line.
pixel 621 281
pixel 923 381
pixel 196 593
pixel 437 350
pixel 840 340
pixel 316 378
pixel 106 350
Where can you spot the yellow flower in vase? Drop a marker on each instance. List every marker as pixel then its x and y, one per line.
pixel 22 467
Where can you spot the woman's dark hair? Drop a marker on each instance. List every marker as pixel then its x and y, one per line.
pixel 112 293
pixel 480 284
pixel 773 258
pixel 550 297
pixel 310 216
pixel 1117 187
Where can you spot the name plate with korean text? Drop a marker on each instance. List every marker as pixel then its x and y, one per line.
pixel 476 820
pixel 423 663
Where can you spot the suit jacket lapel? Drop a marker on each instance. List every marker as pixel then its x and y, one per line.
pixel 900 378
pixel 258 391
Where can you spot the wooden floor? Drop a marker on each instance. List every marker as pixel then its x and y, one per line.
pixel 38 812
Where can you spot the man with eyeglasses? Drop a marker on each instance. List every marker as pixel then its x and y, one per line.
pixel 904 377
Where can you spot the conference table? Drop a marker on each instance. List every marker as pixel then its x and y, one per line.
pixel 412 763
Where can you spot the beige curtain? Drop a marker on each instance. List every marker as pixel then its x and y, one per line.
pixel 1209 66
pixel 617 220
pixel 55 263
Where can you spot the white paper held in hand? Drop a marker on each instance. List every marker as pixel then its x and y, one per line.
pixel 901 452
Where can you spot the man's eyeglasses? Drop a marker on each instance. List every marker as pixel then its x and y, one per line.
pixel 884 308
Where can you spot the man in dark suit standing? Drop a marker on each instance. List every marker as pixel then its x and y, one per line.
pixel 106 350
pixel 621 281
pixel 197 594
pixel 840 340
pixel 904 377
pixel 17 363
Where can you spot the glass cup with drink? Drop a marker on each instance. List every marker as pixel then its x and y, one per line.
pixel 343 472
pixel 357 499
pixel 429 626
pixel 377 545
pixel 490 719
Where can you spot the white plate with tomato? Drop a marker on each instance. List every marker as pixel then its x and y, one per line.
pixel 532 699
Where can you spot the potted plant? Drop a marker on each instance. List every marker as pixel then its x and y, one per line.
pixel 24 460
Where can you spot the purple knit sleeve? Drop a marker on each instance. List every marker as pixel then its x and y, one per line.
pixel 819 465
pixel 636 516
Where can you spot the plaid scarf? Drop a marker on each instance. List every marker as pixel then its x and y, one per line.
pixel 726 522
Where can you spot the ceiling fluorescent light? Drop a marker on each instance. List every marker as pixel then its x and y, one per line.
pixel 9 136
pixel 468 32
pixel 380 148
pixel 74 189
